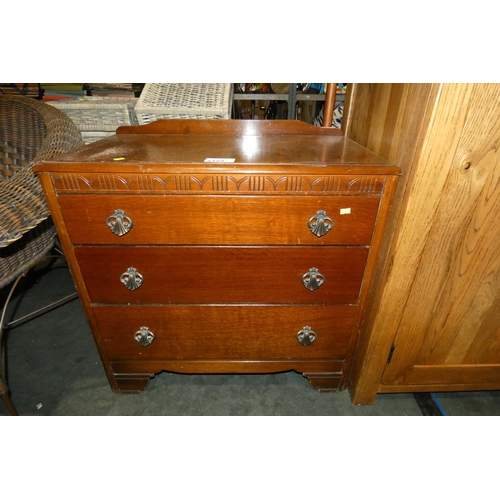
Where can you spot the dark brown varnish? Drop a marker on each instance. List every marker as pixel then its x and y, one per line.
pixel 222 246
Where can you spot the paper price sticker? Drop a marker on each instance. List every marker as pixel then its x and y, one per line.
pixel 219 160
pixel 345 211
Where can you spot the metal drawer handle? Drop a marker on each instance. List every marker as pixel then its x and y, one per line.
pixel 119 223
pixel 132 278
pixel 306 336
pixel 313 279
pixel 320 223
pixel 144 336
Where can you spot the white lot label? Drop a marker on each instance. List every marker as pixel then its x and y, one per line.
pixel 219 160
pixel 344 211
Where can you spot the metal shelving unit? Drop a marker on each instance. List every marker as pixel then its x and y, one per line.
pixel 292 97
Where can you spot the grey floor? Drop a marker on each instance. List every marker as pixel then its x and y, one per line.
pixel 54 369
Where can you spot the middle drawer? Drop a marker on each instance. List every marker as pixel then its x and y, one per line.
pixel 224 275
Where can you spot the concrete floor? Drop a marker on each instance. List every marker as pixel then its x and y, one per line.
pixel 54 369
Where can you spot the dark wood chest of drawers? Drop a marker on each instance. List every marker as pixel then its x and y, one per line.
pixel 222 246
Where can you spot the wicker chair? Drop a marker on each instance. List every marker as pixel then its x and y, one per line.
pixel 30 131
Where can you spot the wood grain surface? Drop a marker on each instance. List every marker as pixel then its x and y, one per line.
pixel 223 220
pixel 179 275
pixel 440 294
pixel 225 332
pixel 222 246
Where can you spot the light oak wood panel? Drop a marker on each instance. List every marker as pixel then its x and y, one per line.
pixel 388 118
pixel 401 136
pixel 441 375
pixel 456 288
pixel 438 294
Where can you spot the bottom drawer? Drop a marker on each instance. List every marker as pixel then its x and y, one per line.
pixel 224 332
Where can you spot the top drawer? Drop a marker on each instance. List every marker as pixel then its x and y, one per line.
pixel 219 220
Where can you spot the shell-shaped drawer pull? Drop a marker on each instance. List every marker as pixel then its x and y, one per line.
pixel 306 336
pixel 320 223
pixel 132 278
pixel 119 222
pixel 144 336
pixel 313 279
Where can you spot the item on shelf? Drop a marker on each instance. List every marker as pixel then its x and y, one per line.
pixel 321 87
pixel 280 88
pixel 284 88
pixel 58 91
pixel 26 89
pixel 108 86
pixel 271 111
pixel 111 89
pixel 257 88
pixel 338 112
pixel 184 100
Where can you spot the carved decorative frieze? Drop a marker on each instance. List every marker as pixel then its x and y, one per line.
pixel 155 183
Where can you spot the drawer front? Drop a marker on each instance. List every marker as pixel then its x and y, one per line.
pixel 224 332
pixel 193 275
pixel 220 220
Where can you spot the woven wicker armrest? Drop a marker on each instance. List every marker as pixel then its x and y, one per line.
pixel 22 207
pixel 31 131
pixel 62 134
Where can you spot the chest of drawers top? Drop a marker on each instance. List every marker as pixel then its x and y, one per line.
pixel 223 146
